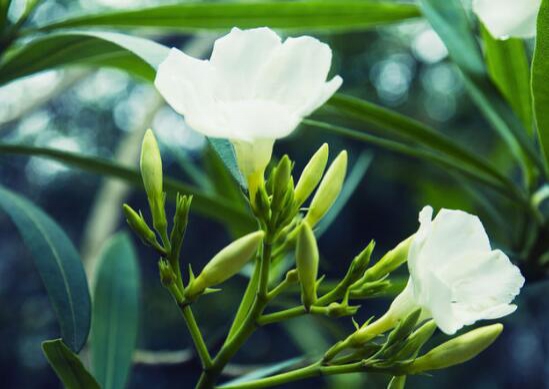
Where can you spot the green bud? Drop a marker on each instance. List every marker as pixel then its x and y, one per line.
pixel 151 172
pixel 390 261
pixel 457 350
pixel 339 310
pixel 138 224
pixel 282 176
pixel 360 264
pixel 311 175
pixel 292 276
pixel 225 264
pixel 167 275
pixel 416 341
pixel 329 189
pixel 306 255
pixel 180 220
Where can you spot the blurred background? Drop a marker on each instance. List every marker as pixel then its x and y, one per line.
pixel 105 113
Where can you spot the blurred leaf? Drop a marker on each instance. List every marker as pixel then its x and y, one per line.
pixel 540 78
pixel 265 371
pixel 135 55
pixel 68 366
pixel 214 207
pixel 449 20
pixel 352 182
pixel 316 15
pixel 115 312
pixel 508 66
pixel 406 149
pixel 4 6
pixel 59 266
pixel 394 123
pixel 225 150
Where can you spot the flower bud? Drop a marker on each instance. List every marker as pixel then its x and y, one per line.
pixel 180 220
pixel 226 263
pixel 416 341
pixel 311 175
pixel 282 178
pixel 390 261
pixel 329 189
pixel 138 225
pixel 360 263
pixel 151 172
pixel 306 255
pixel 457 350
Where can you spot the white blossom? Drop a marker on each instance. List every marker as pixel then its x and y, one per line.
pixel 253 90
pixel 508 18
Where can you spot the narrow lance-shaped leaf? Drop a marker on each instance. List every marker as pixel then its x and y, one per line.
pixel 317 15
pixel 509 68
pixel 450 21
pixel 115 312
pixel 59 266
pixel 540 78
pixel 68 366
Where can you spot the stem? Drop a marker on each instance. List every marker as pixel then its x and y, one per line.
pixel 196 335
pixel 314 370
pixel 232 345
pixel 289 314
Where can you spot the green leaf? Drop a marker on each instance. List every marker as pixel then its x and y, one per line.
pixel 316 15
pixel 540 78
pixel 59 266
pixel 216 208
pixel 449 20
pixel 352 182
pixel 136 55
pixel 406 149
pixel 390 122
pixel 510 71
pixel 226 152
pixel 68 366
pixel 265 371
pixel 115 312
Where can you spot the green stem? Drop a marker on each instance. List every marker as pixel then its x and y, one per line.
pixel 196 335
pixel 210 375
pixel 314 370
pixel 290 314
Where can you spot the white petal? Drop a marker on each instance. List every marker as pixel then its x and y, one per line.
pixel 238 57
pixel 508 18
pixel 328 90
pixel 296 74
pixel 180 78
pixel 250 120
pixel 439 302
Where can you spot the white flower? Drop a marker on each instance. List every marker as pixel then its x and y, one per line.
pixel 253 90
pixel 455 276
pixel 508 18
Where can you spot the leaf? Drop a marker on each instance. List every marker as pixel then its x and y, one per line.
pixel 59 266
pixel 410 129
pixel 136 55
pixel 68 366
pixel 351 183
pixel 449 20
pixel 214 207
pixel 115 312
pixel 540 78
pixel 509 68
pixel 310 15
pixel 226 152
pixel 265 371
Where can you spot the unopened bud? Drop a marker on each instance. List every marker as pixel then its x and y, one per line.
pixel 282 176
pixel 360 263
pixel 292 276
pixel 151 172
pixel 390 261
pixel 306 255
pixel 180 220
pixel 339 310
pixel 226 263
pixel 311 175
pixel 457 350
pixel 138 225
pixel 416 341
pixel 329 189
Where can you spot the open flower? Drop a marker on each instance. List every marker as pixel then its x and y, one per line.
pixel 253 90
pixel 455 276
pixel 508 18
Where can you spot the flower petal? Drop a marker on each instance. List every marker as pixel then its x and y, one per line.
pixel 238 58
pixel 296 74
pixel 328 90
pixel 508 18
